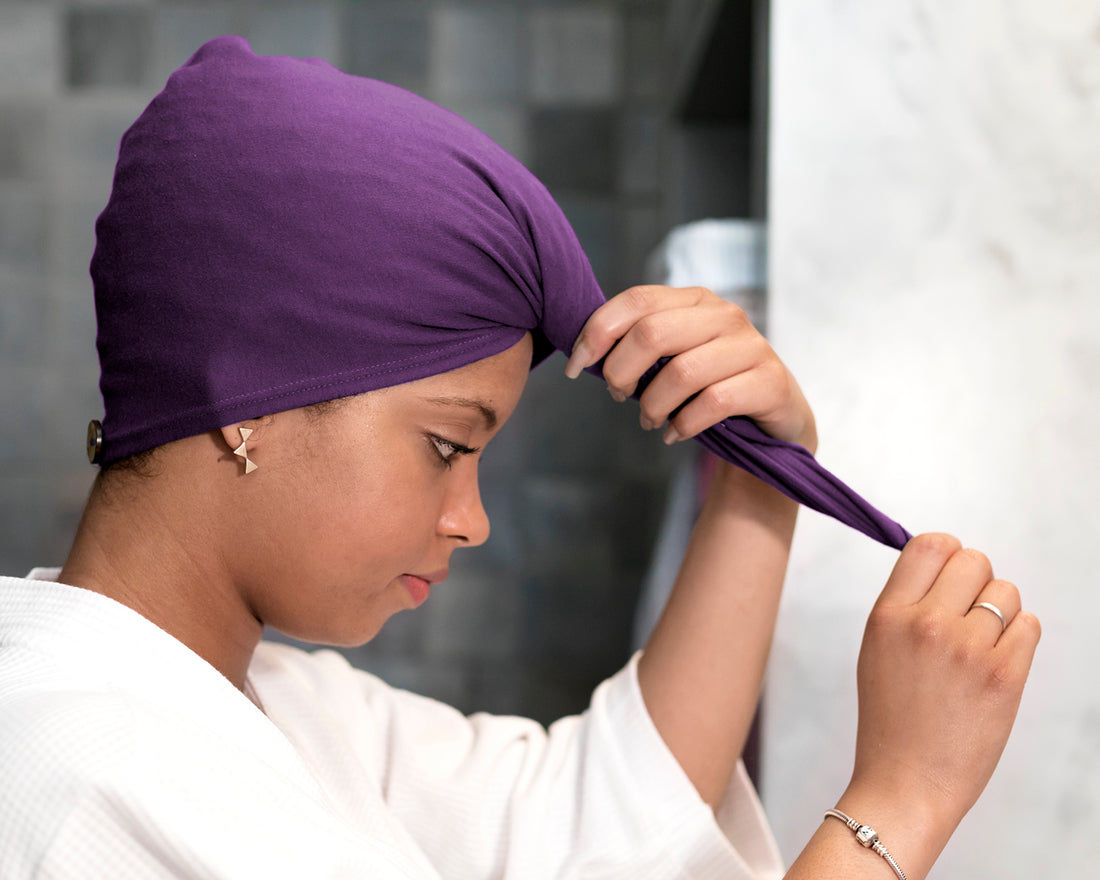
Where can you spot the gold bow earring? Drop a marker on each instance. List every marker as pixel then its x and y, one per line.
pixel 242 451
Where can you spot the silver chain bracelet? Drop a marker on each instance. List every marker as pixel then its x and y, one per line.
pixel 866 835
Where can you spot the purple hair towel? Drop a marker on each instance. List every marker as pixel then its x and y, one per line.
pixel 281 233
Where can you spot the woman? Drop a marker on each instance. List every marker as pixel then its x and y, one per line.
pixel 318 299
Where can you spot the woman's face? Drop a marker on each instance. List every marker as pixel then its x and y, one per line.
pixel 364 504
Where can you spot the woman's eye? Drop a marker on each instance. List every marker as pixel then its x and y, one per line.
pixel 445 449
pixel 448 450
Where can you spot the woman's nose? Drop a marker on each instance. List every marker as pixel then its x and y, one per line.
pixel 463 515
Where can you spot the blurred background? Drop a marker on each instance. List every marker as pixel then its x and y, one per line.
pixel 925 175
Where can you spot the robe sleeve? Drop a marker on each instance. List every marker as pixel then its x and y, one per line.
pixel 597 795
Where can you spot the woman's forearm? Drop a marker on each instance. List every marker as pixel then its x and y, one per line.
pixel 702 668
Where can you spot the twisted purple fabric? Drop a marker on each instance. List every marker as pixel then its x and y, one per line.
pixel 797 474
pixel 792 470
pixel 281 233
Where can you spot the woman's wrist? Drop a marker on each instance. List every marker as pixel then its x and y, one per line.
pixel 736 491
pixel 910 827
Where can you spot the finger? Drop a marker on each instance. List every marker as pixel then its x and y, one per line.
pixel 994 610
pixel 668 333
pixel 1017 645
pixel 614 318
pixel 920 563
pixel 964 576
pixel 748 393
pixel 690 372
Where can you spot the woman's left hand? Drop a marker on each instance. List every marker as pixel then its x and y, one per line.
pixel 715 352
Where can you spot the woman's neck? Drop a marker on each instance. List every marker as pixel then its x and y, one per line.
pixel 149 545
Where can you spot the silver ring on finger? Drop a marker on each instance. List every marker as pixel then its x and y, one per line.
pixel 989 606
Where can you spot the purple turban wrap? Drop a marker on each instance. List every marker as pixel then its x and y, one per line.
pixel 281 233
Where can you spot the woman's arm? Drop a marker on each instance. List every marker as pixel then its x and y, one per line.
pixel 939 682
pixel 703 666
pixel 939 686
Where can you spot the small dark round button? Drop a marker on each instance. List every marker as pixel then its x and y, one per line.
pixel 95 441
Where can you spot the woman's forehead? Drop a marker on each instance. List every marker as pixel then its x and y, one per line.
pixel 490 387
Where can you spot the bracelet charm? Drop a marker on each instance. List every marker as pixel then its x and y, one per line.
pixel 868 837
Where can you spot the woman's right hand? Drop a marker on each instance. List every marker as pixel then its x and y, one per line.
pixel 939 687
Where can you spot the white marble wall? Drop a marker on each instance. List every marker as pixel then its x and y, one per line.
pixel 935 267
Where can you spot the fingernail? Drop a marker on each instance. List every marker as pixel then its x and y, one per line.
pixel 617 396
pixel 671 435
pixel 647 425
pixel 578 360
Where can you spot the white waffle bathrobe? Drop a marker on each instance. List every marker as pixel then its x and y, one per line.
pixel 125 755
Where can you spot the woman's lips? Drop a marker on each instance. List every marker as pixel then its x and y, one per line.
pixel 420 586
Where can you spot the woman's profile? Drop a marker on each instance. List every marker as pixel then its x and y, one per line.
pixel 318 299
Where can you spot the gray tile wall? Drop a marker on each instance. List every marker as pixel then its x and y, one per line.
pixel 532 620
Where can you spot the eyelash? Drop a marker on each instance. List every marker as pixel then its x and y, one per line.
pixel 447 450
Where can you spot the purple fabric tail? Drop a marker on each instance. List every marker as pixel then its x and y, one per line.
pixel 797 474
pixel 792 470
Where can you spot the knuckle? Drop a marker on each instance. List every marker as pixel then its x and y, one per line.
pixel 684 368
pixel 735 315
pixel 1006 590
pixel 643 297
pixel 964 654
pixel 776 376
pixel 652 332
pixel 935 544
pixel 977 559
pixel 1001 675
pixel 1030 622
pixel 881 618
pixel 597 333
pixel 614 376
pixel 702 293
pixel 929 627
pixel 717 398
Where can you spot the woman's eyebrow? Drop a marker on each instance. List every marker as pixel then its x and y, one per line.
pixel 488 414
